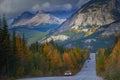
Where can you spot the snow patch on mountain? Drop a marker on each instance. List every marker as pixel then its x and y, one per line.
pixel 55 38
pixel 90 40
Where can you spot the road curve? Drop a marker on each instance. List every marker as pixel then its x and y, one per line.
pixel 88 72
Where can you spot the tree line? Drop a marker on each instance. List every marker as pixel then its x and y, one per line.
pixel 13 51
pixel 17 59
pixel 108 61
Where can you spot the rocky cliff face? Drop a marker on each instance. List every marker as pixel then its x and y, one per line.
pixel 95 12
pixel 113 29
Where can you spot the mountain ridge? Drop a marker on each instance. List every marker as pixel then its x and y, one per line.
pixel 100 13
pixel 30 19
pixel 89 23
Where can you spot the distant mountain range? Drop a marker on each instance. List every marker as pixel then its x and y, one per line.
pixel 30 19
pixel 90 23
pixel 35 26
pixel 93 26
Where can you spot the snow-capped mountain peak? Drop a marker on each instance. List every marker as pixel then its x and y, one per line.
pixel 23 17
pixel 37 19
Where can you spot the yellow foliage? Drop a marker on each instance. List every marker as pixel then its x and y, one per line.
pixel 92 30
pixel 78 30
pixel 67 60
pixel 109 64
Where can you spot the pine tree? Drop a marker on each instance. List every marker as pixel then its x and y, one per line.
pixel 0 35
pixel 6 43
pixel 14 48
pixel 13 57
pixel 23 41
pixel 6 39
pixel 1 48
pixel 4 47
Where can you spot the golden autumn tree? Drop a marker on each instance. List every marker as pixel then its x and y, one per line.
pixel 24 55
pixel 73 58
pixel 101 61
pixel 56 62
pixel 108 62
pixel 67 60
pixel 113 62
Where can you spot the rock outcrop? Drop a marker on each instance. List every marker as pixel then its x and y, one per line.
pixel 95 12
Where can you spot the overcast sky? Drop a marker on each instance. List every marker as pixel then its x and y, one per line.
pixel 16 7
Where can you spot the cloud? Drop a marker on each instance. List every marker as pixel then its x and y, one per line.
pixel 36 7
pixel 44 6
pixel 16 7
pixel 67 6
pixel 49 7
pixel 11 7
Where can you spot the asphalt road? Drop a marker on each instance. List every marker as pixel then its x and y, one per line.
pixel 88 72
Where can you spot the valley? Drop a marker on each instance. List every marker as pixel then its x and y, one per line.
pixel 93 20
pixel 45 40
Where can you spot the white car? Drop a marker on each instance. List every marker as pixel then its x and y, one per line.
pixel 67 73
